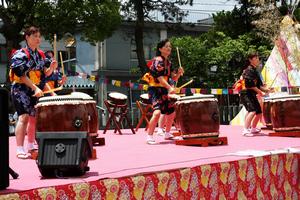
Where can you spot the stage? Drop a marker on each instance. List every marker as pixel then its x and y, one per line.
pixel 259 167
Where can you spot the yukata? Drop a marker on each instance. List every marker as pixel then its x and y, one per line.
pixel 248 96
pixel 53 79
pixel 32 64
pixel 158 94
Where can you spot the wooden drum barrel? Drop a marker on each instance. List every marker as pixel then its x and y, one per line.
pixel 92 111
pixel 198 116
pixel 285 113
pixel 61 113
pixel 267 111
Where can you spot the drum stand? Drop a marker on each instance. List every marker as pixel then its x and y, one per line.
pixel 285 134
pixel 203 142
pixel 146 111
pixel 117 113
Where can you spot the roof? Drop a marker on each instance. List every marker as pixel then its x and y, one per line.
pixel 78 82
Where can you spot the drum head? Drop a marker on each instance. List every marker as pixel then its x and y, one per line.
pixel 144 96
pixel 282 97
pixel 117 95
pixel 197 96
pixel 81 95
pixel 174 96
pixel 59 98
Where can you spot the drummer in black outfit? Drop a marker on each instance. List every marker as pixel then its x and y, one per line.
pixel 249 99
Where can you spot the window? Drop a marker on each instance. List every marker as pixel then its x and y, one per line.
pixel 147 51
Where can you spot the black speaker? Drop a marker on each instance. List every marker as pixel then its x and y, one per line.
pixel 63 153
pixel 4 155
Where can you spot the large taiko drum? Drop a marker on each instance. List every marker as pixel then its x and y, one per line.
pixel 285 113
pixel 198 116
pixel 61 113
pixel 267 111
pixel 92 111
pixel 117 98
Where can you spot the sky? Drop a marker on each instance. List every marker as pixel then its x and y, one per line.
pixel 202 9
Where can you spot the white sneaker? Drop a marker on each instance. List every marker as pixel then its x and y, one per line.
pixel 247 132
pixel 160 132
pixel 168 136
pixel 255 130
pixel 150 139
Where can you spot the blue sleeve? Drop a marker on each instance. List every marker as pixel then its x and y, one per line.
pixel 19 63
pixel 48 61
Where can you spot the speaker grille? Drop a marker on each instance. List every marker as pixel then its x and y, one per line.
pixel 53 158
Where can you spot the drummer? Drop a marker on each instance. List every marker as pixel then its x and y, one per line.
pixel 162 118
pixel 159 88
pixel 56 79
pixel 254 87
pixel 28 68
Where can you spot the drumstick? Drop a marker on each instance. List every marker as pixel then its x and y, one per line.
pixel 185 84
pixel 179 62
pixel 54 47
pixel 53 90
pixel 274 79
pixel 62 64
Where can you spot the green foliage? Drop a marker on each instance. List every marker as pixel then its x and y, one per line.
pixel 212 49
pixel 95 19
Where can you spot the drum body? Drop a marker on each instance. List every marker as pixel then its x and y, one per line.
pixel 285 113
pixel 91 109
pixel 198 116
pixel 93 116
pixel 117 98
pixel 267 112
pixel 61 113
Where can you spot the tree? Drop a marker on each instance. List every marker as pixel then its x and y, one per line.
pixel 95 19
pixel 215 49
pixel 139 10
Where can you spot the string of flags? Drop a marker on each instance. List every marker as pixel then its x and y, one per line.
pixel 139 86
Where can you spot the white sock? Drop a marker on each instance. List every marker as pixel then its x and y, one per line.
pixel 20 149
pixel 150 137
pixel 160 130
pixel 30 146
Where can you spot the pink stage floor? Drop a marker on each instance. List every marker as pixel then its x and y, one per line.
pixel 128 154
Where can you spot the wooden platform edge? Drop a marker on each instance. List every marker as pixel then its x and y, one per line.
pixel 285 134
pixel 204 142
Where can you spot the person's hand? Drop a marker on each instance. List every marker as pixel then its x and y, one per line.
pixel 271 90
pixel 171 90
pixel 181 71
pixel 38 92
pixel 53 65
pixel 63 80
pixel 160 68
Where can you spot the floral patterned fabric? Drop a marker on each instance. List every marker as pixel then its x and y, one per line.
pixel 33 67
pixel 268 177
